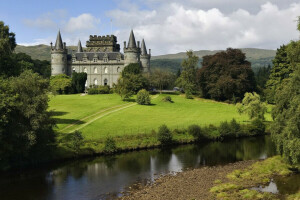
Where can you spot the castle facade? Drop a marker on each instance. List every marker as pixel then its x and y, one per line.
pixel 102 60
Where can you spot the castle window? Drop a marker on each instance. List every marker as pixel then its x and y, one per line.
pixel 85 70
pixel 105 59
pixel 73 69
pixel 95 70
pixel 118 69
pixel 95 59
pixel 95 82
pixel 73 60
pixel 105 81
pixel 105 70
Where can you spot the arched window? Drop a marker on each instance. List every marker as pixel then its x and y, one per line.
pixel 85 70
pixel 95 81
pixel 73 69
pixel 95 70
pixel 105 81
pixel 85 83
pixel 118 69
pixel 105 70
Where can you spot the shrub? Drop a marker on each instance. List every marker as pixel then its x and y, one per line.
pixel 195 131
pixel 99 90
pixel 76 141
pixel 225 129
pixel 235 127
pixel 167 99
pixel 210 132
pixel 60 84
pixel 164 135
pixel 143 97
pixel 110 145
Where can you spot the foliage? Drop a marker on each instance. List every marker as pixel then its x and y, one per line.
pixel 261 77
pixel 285 129
pixel 252 106
pixel 279 74
pixel 130 82
pixel 187 78
pixel 195 131
pixel 167 99
pixel 143 97
pixel 259 173
pixel 7 40
pixel 225 75
pixel 161 79
pixel 110 145
pixel 60 84
pixel 26 127
pixel 76 141
pixel 101 89
pixel 164 135
pixel 78 82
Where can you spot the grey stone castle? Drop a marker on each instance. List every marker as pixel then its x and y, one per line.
pixel 102 61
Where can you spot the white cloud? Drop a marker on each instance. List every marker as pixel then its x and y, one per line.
pixel 176 27
pixel 84 22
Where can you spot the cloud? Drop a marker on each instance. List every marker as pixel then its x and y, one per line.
pixel 84 22
pixel 176 27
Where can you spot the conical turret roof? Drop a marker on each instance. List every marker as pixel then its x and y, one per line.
pixel 79 47
pixel 131 42
pixel 59 43
pixel 143 48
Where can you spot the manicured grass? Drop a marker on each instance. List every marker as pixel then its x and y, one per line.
pixel 139 118
pixel 69 109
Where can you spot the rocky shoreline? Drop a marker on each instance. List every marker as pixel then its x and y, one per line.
pixel 189 184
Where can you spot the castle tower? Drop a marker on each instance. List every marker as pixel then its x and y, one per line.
pixel 145 57
pixel 132 51
pixel 79 47
pixel 58 57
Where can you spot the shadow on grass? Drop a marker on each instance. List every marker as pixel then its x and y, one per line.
pixel 129 100
pixel 57 113
pixel 67 121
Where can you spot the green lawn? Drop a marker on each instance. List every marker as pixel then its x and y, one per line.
pixel 136 118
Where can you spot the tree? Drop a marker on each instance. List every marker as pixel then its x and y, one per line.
pixel 26 131
pixel 225 76
pixel 143 97
pixel 7 40
pixel 164 135
pixel 161 79
pixel 252 106
pixel 130 82
pixel 187 78
pixel 78 82
pixel 60 84
pixel 285 130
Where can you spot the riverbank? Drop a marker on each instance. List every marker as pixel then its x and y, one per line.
pixel 240 180
pixel 190 184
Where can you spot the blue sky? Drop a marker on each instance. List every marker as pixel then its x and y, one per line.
pixel 168 26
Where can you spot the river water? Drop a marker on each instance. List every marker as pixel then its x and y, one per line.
pixel 107 177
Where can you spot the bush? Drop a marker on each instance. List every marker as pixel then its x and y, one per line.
pixel 164 135
pixel 210 132
pixel 99 90
pixel 143 97
pixel 76 141
pixel 196 132
pixel 110 145
pixel 60 84
pixel 167 99
pixel 235 127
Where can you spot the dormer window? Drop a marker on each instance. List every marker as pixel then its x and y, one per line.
pixel 95 59
pixel 105 59
pixel 73 60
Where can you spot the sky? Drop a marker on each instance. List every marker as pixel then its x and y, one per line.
pixel 167 26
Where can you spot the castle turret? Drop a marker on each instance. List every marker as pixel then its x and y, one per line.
pixel 79 47
pixel 58 57
pixel 132 51
pixel 145 57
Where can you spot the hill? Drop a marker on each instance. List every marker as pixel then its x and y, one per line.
pixel 171 62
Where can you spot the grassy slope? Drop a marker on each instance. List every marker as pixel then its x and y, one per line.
pixel 139 119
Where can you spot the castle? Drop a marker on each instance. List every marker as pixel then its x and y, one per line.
pixel 102 60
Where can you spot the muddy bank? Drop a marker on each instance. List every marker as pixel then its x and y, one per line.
pixel 190 184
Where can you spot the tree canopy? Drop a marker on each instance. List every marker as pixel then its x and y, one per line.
pixel 226 75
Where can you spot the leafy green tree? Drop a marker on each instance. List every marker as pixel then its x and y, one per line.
pixel 76 141
pixel 252 106
pixel 161 79
pixel 187 78
pixel 164 135
pixel 26 131
pixel 226 75
pixel 285 129
pixel 130 82
pixel 7 40
pixel 143 97
pixel 78 82
pixel 60 84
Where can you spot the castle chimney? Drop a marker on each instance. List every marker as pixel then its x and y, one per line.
pixel 149 51
pixel 138 44
pixel 125 44
pixel 51 45
pixel 64 45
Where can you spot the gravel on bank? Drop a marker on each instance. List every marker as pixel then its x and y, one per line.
pixel 190 184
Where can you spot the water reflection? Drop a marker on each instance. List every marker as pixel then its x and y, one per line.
pixel 108 176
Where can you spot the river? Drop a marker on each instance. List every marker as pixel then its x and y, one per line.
pixel 107 177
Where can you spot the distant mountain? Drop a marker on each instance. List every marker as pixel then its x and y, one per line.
pixel 171 62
